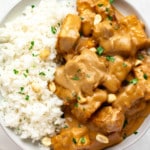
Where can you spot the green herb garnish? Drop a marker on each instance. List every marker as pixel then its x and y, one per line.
pixel 81 18
pixel 42 74
pixel 27 97
pixel 124 65
pixel 76 105
pixel 133 81
pixel 31 45
pixel 145 76
pixel 65 126
pixel 99 50
pixel 21 90
pixel 75 78
pixel 25 75
pixel 140 57
pixel 32 6
pixel 111 1
pixel 110 58
pixel 74 141
pixel 107 9
pixel 100 5
pixel 53 29
pixel 15 71
pixel 34 55
pixel 82 140
pixel 109 17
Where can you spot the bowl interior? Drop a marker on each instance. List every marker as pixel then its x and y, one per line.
pixel 126 9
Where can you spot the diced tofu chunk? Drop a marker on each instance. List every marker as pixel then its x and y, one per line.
pixel 69 34
pixel 109 119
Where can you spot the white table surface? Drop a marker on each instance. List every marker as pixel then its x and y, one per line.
pixel 143 7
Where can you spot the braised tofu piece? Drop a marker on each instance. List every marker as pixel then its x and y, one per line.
pixel 105 9
pixel 109 119
pixel 87 19
pixel 85 43
pixel 71 139
pixel 142 73
pixel 69 34
pixel 86 106
pixel 136 30
pixel 124 38
pixel 117 70
pixel 82 74
pixel 129 96
pixel 87 15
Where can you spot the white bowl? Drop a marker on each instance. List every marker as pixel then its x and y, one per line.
pixel 126 9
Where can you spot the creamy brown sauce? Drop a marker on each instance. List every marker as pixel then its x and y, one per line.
pixel 104 80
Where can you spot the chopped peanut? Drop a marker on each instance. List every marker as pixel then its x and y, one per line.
pixel 46 141
pixel 81 99
pixel 97 19
pixel 111 98
pixel 35 87
pixel 52 86
pixel 93 49
pixel 102 138
pixel 138 62
pixel 44 54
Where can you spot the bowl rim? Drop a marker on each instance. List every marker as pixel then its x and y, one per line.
pixel 147 119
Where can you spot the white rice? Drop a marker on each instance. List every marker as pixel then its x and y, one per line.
pixel 32 115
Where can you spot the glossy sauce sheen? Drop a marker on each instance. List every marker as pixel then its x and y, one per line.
pixel 104 79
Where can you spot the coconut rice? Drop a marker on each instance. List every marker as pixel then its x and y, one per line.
pixel 27 67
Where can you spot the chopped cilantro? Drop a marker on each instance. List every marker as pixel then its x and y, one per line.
pixel 133 81
pixel 111 1
pixel 42 74
pixel 81 18
pixel 27 97
pixel 15 71
pixel 99 50
pixel 27 70
pixel 65 126
pixel 32 6
pixel 78 98
pixel 82 140
pixel 53 29
pixel 58 23
pixel 31 45
pixel 100 5
pixel 25 75
pixel 21 89
pixel 75 78
pixel 145 76
pixel 109 17
pixel 140 57
pixel 124 65
pixel 107 9
pixel 110 58
pixel 34 55
pixel 76 105
pixel 74 141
